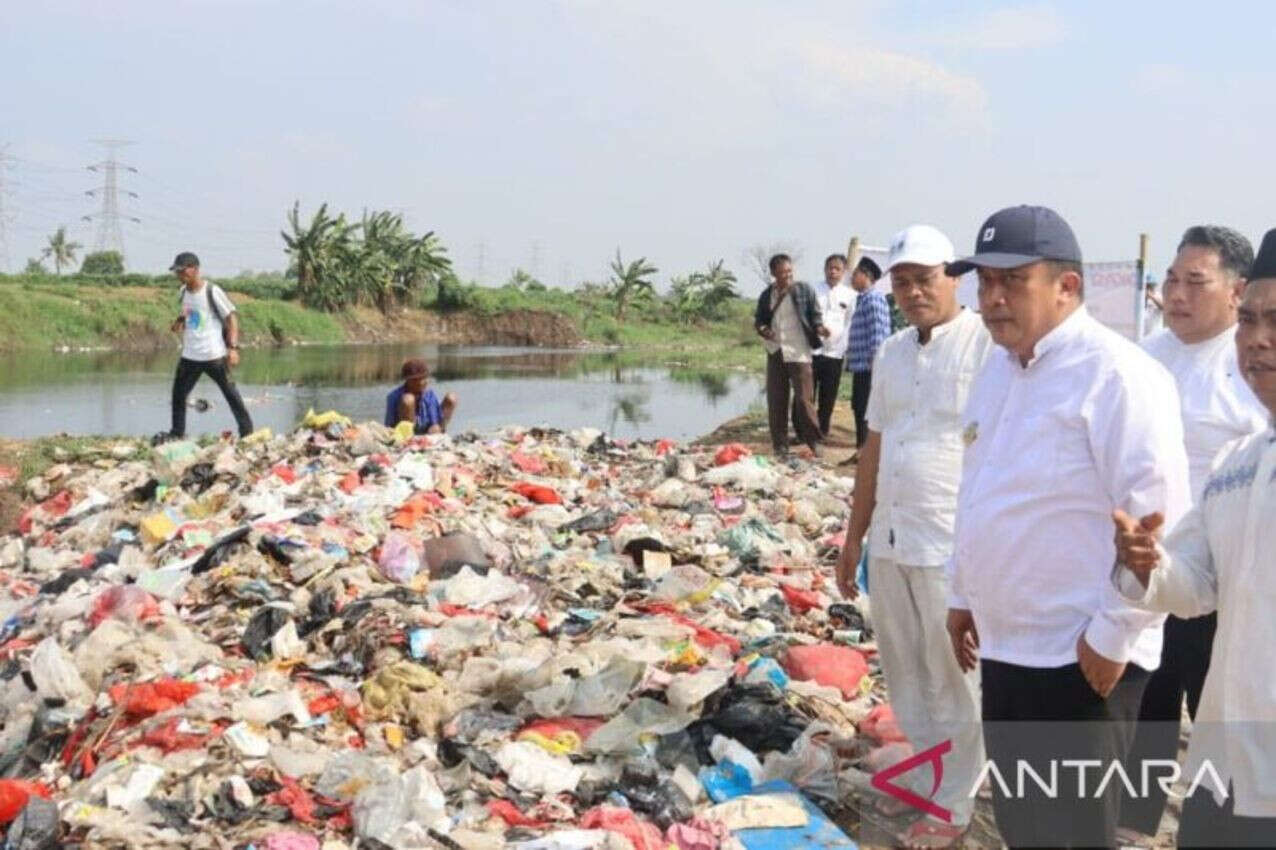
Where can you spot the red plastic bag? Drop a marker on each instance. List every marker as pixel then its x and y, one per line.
pixel 800 601
pixel 528 463
pixel 538 494
pixel 730 453
pixel 880 725
pixel 126 602
pixel 148 698
pixel 284 473
pixel 827 664
pixel 14 794
pixel 508 812
pixel 168 738
pixel 295 798
pixel 642 834
pixel 665 446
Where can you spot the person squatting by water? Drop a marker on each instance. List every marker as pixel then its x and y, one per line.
pixel 412 401
pixel 209 326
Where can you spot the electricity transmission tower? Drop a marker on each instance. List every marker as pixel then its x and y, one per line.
pixel 109 237
pixel 5 216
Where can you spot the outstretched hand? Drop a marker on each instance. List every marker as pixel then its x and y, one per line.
pixel 1136 543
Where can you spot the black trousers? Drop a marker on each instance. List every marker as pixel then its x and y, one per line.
pixel 188 372
pixel 861 383
pixel 1044 717
pixel 1207 824
pixel 1185 659
pixel 827 373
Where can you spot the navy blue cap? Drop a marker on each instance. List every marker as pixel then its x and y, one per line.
pixel 1265 261
pixel 1017 236
pixel 184 260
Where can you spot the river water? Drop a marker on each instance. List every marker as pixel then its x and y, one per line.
pixel 128 394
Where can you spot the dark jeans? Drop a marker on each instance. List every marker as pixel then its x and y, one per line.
pixel 1042 717
pixel 188 372
pixel 861 383
pixel 790 385
pixel 1207 824
pixel 827 374
pixel 1185 659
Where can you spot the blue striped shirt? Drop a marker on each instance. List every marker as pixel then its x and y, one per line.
pixel 870 325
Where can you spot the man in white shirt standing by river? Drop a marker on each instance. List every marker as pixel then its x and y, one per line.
pixel 1203 289
pixel 210 344
pixel 1219 558
pixel 906 498
pixel 1068 422
pixel 836 299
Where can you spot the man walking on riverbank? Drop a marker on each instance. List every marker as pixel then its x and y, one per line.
pixel 788 320
pixel 870 325
pixel 906 498
pixel 1203 290
pixel 209 327
pixel 837 301
pixel 1066 423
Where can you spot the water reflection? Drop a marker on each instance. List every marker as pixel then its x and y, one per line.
pixel 621 393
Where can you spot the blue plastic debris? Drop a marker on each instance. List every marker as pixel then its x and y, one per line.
pixel 820 833
pixel 725 780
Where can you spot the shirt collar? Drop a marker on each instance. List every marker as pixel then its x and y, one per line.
pixel 1063 333
pixel 940 330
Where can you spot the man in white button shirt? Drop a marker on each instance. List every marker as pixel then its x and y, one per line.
pixel 1203 288
pixel 836 300
pixel 1220 558
pixel 1067 422
pixel 906 487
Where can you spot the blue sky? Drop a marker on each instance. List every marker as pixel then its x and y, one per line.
pixel 548 134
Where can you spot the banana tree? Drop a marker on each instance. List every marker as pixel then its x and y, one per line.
pixel 630 282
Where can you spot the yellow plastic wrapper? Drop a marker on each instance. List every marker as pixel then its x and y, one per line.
pixel 323 420
pixel 403 431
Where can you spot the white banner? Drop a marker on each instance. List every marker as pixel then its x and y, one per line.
pixel 1109 291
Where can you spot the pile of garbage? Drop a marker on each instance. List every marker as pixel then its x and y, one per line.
pixel 350 637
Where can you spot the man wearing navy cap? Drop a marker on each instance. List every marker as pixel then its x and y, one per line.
pixel 1069 422
pixel 209 327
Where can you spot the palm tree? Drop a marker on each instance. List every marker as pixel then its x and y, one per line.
pixel 630 282
pixel 314 250
pixel 60 250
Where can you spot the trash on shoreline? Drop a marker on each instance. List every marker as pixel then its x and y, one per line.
pixel 347 635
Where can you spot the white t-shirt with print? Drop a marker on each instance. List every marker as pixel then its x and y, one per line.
pixel 202 339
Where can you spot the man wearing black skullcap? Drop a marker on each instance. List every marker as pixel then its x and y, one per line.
pixel 870 325
pixel 1219 559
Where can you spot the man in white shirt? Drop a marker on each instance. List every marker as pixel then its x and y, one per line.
pixel 209 327
pixel 1066 423
pixel 1219 558
pixel 1153 309
pixel 906 498
pixel 1203 289
pixel 836 300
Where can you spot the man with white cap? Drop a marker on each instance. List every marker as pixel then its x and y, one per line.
pixel 906 499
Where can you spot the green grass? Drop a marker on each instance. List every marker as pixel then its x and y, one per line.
pixel 44 311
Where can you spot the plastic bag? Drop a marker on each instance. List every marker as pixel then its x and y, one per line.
pixel 36 828
pixel 56 676
pixel 14 795
pixel 261 629
pixel 148 698
pixel 880 725
pixel 126 602
pixel 828 664
pixel 398 560
pixel 730 453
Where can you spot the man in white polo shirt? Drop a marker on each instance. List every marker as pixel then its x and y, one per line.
pixel 1203 289
pixel 1067 422
pixel 906 498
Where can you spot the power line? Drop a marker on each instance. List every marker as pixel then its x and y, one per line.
pixel 5 217
pixel 109 236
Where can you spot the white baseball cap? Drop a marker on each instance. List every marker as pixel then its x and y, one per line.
pixel 920 244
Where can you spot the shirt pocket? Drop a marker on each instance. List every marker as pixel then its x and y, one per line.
pixel 947 392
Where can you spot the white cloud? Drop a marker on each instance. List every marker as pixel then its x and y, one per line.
pixel 1012 28
pixel 889 77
